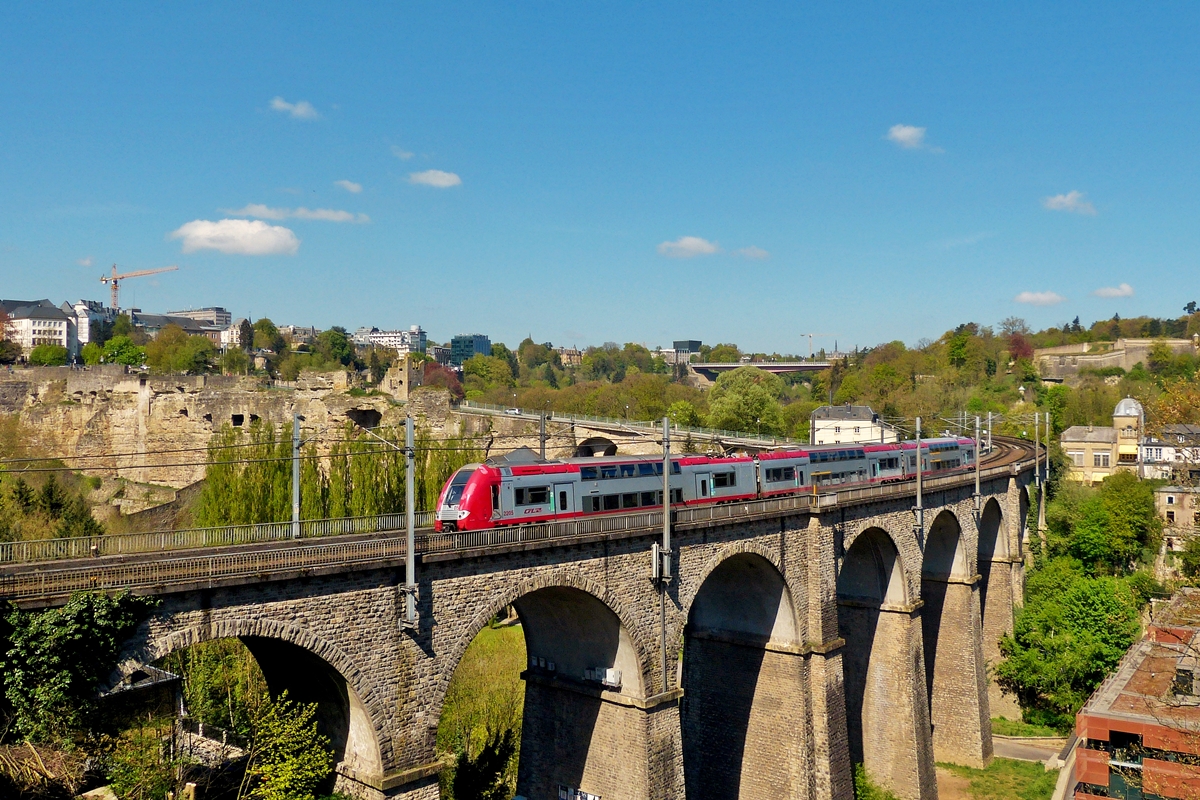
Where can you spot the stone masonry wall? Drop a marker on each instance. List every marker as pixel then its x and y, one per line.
pixel 795 712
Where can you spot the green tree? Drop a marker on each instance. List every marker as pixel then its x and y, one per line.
pixel 234 361
pixel 488 371
pixel 288 758
pixel 48 355
pixel 57 660
pixel 267 336
pixel 724 354
pixel 684 413
pixel 246 335
pixel 746 399
pixel 120 349
pixel 483 777
pixel 173 350
pixel 123 326
pixel 335 345
pixel 1071 632
pixel 91 354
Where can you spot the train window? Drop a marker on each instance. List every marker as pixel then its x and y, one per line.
pixel 495 498
pixel 562 503
pixel 677 495
pixel 722 480
pixel 774 475
pixel 646 470
pixel 628 470
pixel 612 502
pixel 608 471
pixel 650 498
pixel 629 500
pixel 675 470
pixel 531 495
pixel 588 473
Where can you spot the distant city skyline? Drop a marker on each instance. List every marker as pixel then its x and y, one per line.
pixel 876 173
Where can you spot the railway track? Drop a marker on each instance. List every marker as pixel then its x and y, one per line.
pixel 378 542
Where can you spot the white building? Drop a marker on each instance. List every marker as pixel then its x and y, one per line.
pixel 1175 454
pixel 35 322
pixel 412 340
pixel 232 336
pixel 214 316
pixel 88 315
pixel 848 424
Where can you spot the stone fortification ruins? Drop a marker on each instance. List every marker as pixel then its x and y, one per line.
pixel 110 410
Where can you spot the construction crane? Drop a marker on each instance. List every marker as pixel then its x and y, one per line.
pixel 115 278
pixel 810 338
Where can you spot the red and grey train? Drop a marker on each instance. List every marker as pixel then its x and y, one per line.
pixel 504 492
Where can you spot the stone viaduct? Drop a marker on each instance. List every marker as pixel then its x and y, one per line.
pixel 799 641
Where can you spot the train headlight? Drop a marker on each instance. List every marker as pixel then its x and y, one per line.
pixel 463 514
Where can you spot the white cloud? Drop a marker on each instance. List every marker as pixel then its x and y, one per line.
pixel 1072 201
pixel 300 110
pixel 400 153
pixel 1124 290
pixel 85 262
pixel 349 186
pixel 324 214
pixel 1039 298
pixel 752 252
pixel 236 236
pixel 909 136
pixel 688 247
pixel 435 177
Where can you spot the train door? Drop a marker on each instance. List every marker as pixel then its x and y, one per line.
pixel 703 485
pixel 564 499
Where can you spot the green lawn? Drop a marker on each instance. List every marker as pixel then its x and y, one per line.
pixel 1002 726
pixel 1005 779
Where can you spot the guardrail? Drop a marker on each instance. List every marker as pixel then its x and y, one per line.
pixel 195 538
pixel 42 581
pixel 116 544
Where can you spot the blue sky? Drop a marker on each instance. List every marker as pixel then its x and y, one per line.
pixel 590 172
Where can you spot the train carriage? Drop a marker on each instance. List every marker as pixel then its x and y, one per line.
pixel 521 488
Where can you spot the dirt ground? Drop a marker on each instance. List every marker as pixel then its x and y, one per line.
pixel 951 786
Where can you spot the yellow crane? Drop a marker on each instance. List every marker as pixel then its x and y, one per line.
pixel 115 278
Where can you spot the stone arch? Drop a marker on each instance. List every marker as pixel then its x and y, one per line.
pixel 953 650
pixel 584 724
pixel 596 446
pixel 727 551
pixel 312 670
pixel 877 572
pixel 508 595
pixel 996 598
pixel 744 730
pixel 883 667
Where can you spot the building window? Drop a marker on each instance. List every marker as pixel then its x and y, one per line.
pixel 1100 459
pixel 1171 517
pixel 1076 457
pixel 1170 499
pixel 857 429
pixel 837 429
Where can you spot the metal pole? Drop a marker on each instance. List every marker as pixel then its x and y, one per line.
pixel 978 494
pixel 296 475
pixel 666 546
pixel 920 507
pixel 410 550
pixel 989 432
pixel 542 434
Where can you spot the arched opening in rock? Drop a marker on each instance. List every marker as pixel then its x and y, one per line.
pixel 364 417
